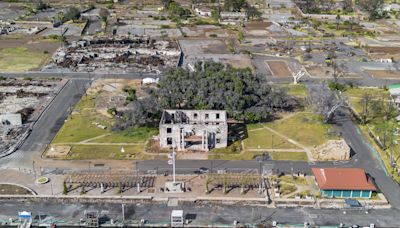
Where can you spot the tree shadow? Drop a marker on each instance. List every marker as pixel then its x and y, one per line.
pixel 237 131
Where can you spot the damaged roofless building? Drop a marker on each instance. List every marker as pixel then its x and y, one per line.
pixel 194 129
pixel 119 55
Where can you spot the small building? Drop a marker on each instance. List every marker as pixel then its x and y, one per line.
pixel 193 129
pixel 177 218
pixel 332 150
pixel 344 182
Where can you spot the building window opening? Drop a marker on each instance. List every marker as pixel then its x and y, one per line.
pixel 169 130
pixel 207 116
pixel 195 116
pixel 217 116
pixel 169 141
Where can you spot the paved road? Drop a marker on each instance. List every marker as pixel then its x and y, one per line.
pixel 202 215
pixel 366 157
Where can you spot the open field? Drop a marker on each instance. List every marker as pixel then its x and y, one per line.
pixel 279 139
pixel 298 90
pixel 307 129
pixel 83 152
pixel 8 189
pixel 23 54
pixel 262 138
pixel 250 155
pixel 384 74
pixel 291 156
pixel 279 68
pixel 19 60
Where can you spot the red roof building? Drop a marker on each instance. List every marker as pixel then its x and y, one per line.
pixel 344 182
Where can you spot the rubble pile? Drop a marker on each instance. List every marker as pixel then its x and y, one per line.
pixel 21 101
pixel 123 55
pixel 6 27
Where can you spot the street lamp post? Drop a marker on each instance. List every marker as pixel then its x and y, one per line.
pixel 173 164
pixel 123 213
pixel 33 168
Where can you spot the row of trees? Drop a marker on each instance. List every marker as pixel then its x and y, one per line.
pixel 323 6
pixel 239 5
pixel 244 95
pixel 176 10
pixel 373 7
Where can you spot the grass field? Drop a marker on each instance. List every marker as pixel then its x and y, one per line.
pixel 292 156
pixel 9 189
pixel 81 152
pixel 19 59
pixel 298 90
pixel 80 128
pixel 265 139
pixel 307 129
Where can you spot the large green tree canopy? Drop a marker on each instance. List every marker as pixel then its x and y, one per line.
pixel 244 95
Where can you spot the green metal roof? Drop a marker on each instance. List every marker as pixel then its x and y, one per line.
pixel 394 86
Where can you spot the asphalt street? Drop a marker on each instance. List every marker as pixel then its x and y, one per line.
pixel 199 214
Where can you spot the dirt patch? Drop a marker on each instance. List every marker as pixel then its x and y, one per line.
pixel 320 71
pixel 258 25
pixel 384 74
pixel 279 68
pixel 387 50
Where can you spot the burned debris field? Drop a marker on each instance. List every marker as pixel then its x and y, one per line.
pixel 118 55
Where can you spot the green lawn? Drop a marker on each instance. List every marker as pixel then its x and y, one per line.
pixel 20 59
pixel 79 127
pixel 265 139
pixel 307 129
pixel 136 134
pixel 298 90
pixel 82 152
pixel 292 156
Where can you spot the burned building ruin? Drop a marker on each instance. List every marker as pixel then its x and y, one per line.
pixel 118 55
pixel 197 130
